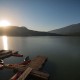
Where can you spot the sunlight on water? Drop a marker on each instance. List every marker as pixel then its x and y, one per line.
pixel 5 42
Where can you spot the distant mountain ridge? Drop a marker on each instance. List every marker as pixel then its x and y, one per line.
pixel 23 31
pixel 71 30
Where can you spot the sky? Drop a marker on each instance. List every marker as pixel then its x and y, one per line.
pixel 40 15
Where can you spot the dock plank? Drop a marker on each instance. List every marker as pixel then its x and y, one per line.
pixel 25 74
pixel 4 56
pixel 5 52
pixel 33 68
pixel 40 74
pixel 37 62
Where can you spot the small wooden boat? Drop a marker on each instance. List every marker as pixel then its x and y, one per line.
pixel 17 55
pixel 24 63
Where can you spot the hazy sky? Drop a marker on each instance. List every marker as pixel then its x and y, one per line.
pixel 42 15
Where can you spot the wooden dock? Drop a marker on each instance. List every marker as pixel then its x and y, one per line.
pixel 35 65
pixel 7 53
pixel 40 74
pixel 37 62
pixel 33 68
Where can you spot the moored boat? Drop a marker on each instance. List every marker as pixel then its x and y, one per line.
pixel 17 55
pixel 12 66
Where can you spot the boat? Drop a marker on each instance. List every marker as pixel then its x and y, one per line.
pixel 12 66
pixel 26 61
pixel 17 55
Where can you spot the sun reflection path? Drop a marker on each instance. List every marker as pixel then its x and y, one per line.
pixel 5 42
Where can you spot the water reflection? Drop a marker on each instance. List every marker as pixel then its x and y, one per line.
pixel 5 42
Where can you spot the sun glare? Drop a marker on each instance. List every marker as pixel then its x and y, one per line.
pixel 5 42
pixel 4 23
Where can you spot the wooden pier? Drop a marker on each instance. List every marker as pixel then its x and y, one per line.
pixel 40 74
pixel 34 66
pixel 7 53
pixel 37 62
pixel 25 74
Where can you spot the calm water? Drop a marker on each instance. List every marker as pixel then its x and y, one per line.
pixel 63 55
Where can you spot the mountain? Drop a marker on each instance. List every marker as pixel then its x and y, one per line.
pixel 71 30
pixel 22 31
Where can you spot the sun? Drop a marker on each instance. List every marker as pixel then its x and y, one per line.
pixel 4 23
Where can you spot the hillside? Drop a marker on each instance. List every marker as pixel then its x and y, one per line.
pixel 22 31
pixel 73 30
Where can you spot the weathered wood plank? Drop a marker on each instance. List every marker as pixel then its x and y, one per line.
pixel 37 62
pixel 5 52
pixel 25 74
pixel 4 56
pixel 40 74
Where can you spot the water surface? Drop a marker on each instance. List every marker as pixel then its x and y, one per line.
pixel 63 55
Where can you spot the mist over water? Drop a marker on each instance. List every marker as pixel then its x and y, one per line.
pixel 63 55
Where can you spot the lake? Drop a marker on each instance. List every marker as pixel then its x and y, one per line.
pixel 63 54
